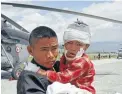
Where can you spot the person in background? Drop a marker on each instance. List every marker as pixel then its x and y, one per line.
pixel 99 56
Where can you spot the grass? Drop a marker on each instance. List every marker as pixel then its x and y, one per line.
pixel 93 56
pixel 103 56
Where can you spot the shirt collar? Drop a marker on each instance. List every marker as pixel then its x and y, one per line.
pixel 42 67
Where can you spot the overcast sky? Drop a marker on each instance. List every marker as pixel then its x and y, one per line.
pixel 101 30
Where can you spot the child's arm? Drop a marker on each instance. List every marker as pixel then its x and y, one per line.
pixel 89 78
pixel 77 69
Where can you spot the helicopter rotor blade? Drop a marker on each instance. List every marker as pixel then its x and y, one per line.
pixel 62 10
pixel 13 23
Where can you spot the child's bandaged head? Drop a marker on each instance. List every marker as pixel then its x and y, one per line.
pixel 77 31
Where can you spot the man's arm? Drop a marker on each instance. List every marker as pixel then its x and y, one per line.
pixel 75 70
pixel 31 83
pixel 86 82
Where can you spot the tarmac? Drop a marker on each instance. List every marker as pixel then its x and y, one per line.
pixel 108 78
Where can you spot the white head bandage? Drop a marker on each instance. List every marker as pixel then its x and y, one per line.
pixel 77 31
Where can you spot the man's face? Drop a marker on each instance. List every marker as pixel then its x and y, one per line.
pixel 73 47
pixel 45 51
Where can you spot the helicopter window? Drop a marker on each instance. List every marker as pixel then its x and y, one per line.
pixel 3 32
pixel 8 49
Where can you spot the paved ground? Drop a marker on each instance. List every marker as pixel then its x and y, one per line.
pixel 108 79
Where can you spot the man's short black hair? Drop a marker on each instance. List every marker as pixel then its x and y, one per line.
pixel 41 32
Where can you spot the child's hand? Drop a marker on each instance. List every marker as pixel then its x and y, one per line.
pixel 42 72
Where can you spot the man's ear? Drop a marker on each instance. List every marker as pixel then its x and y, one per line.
pixel 30 50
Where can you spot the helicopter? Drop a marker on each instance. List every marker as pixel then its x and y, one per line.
pixel 13 45
pixel 119 52
pixel 15 40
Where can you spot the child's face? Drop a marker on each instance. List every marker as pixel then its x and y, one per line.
pixel 73 47
pixel 45 51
